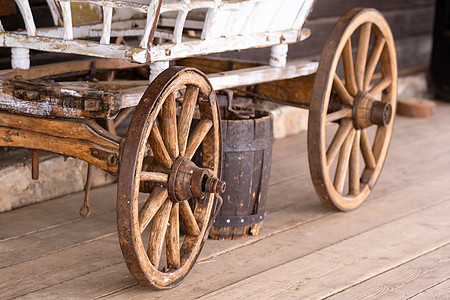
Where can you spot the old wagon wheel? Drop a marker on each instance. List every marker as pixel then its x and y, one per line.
pixel 157 161
pixel 345 163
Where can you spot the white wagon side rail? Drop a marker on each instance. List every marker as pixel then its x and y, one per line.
pixel 215 26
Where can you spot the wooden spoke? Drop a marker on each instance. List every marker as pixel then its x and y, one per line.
pixel 159 149
pixel 338 140
pixel 188 219
pixel 151 206
pixel 158 232
pixel 354 179
pixel 173 238
pixel 197 137
pixel 367 152
pixel 340 89
pixel 186 114
pixel 343 162
pixel 169 126
pixel 340 114
pixel 154 176
pixel 361 54
pixel 349 69
pixel 374 57
pixel 381 85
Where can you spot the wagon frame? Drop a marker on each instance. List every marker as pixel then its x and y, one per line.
pixel 177 118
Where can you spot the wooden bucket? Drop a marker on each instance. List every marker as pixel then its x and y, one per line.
pixel 247 157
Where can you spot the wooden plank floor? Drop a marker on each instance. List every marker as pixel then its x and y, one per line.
pixel 395 246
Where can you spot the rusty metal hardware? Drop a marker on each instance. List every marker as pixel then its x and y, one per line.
pixel 216 211
pixel 85 209
pixel 34 164
pixel 239 114
pixel 235 221
pixel 111 158
pixel 29 95
pixel 55 100
pixel 187 180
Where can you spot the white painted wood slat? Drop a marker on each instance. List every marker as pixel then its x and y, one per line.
pixel 56 15
pixel 151 15
pixel 67 19
pixel 107 19
pixel 179 25
pixel 27 16
pixel 228 26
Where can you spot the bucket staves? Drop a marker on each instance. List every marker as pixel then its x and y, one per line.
pixel 247 157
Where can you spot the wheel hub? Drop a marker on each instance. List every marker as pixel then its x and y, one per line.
pixel 367 111
pixel 186 180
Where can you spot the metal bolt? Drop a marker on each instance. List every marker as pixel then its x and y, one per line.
pixel 112 160
pixel 95 153
pixel 228 221
pixel 242 220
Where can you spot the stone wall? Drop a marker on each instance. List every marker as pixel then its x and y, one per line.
pixel 57 178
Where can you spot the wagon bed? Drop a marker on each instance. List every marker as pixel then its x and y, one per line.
pixel 172 151
pixel 214 26
pixel 217 26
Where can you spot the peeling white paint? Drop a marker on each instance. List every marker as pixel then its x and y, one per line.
pixel 227 26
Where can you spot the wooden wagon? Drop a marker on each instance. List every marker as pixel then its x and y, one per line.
pixel 351 107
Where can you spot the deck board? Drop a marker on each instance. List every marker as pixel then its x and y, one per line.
pixel 438 291
pixel 349 262
pixel 420 274
pixel 304 250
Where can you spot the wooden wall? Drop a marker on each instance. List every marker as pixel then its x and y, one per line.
pixel 411 22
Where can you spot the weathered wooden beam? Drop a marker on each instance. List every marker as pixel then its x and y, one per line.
pixel 49 70
pixel 241 77
pixel 294 91
pixel 257 75
pixel 51 99
pixel 82 139
pixel 162 52
pixel 210 65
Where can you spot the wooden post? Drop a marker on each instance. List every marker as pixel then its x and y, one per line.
pixel 20 58
pixel 278 55
pixel 156 68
